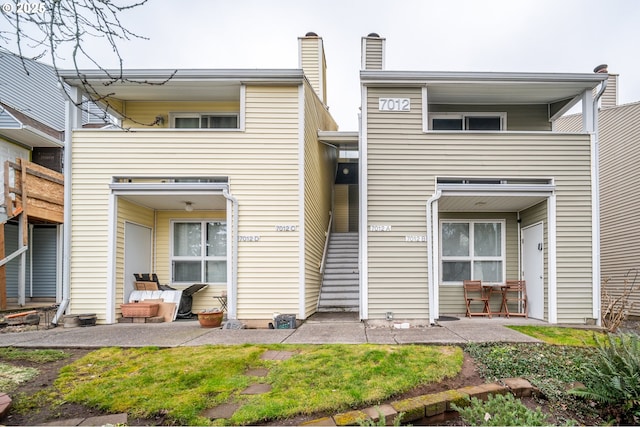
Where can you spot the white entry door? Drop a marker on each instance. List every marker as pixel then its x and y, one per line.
pixel 137 254
pixel 533 268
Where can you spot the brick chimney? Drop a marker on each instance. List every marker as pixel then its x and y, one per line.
pixel 373 52
pixel 313 63
pixel 610 96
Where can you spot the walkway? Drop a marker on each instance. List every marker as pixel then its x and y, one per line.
pixel 329 331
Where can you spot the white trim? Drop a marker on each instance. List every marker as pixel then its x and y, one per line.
pixel 425 109
pixel 471 257
pixel 595 228
pixel 302 312
pixel 243 108
pixel 588 120
pixel 321 75
pixel 230 264
pixel 552 286
pixel 73 117
pixel 463 115
pixel 432 246
pixel 232 237
pixel 112 231
pixel 521 243
pixel 363 171
pixel 186 115
pixel 202 258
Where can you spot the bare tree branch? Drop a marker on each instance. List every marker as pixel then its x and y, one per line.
pixel 60 29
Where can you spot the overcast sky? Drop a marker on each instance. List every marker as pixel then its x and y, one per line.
pixel 443 35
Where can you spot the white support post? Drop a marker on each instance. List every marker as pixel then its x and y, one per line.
pixel 588 125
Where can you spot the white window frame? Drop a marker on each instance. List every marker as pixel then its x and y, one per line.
pixel 471 257
pixel 463 117
pixel 174 116
pixel 202 258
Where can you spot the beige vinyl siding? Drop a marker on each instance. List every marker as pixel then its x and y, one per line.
pixel 452 296
pixel 403 163
pixel 534 215
pixel 341 209
pixel 314 64
pixel 610 96
pixel 319 174
pixel 127 212
pixel 620 198
pixel 145 113
pixel 570 124
pixel 519 117
pixel 374 51
pixel 397 195
pixel 262 166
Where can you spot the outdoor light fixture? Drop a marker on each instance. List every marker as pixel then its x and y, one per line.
pixel 188 206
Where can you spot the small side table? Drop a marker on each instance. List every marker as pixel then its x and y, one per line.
pixel 222 300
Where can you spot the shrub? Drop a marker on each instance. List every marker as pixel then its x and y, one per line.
pixel 500 410
pixel 614 377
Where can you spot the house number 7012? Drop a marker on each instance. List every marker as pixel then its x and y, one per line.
pixel 394 104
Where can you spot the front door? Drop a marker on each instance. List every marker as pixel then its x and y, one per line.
pixel 137 254
pixel 533 268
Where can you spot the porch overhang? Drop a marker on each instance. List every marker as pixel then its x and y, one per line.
pixel 491 197
pixel 173 195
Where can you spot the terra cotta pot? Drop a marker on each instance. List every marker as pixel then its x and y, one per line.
pixel 210 319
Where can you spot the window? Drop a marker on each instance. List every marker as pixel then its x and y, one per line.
pixel 472 250
pixel 468 121
pixel 205 121
pixel 199 252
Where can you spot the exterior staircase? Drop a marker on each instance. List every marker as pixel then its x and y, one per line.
pixel 341 282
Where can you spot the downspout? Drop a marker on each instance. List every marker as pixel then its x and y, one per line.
pixel 233 295
pixel 431 256
pixel 71 120
pixel 595 173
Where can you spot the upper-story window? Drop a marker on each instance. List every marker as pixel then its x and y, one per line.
pixel 468 121
pixel 205 120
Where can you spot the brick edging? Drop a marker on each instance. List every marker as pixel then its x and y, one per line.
pixel 429 406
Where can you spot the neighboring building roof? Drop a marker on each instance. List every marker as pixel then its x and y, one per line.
pixel 32 89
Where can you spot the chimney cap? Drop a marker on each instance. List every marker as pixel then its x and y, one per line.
pixel 602 68
pixel 311 34
pixel 373 35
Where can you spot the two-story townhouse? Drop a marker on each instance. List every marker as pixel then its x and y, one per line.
pixel 215 176
pixel 463 178
pixel 32 129
pixel 619 152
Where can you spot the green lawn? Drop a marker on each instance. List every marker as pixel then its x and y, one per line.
pixel 559 335
pixel 182 382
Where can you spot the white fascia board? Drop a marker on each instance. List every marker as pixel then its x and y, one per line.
pixel 158 188
pixel 41 135
pixel 383 76
pixel 154 75
pixel 507 189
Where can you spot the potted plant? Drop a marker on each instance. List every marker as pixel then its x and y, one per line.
pixel 210 318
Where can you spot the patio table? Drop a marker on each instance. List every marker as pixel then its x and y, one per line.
pixel 498 289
